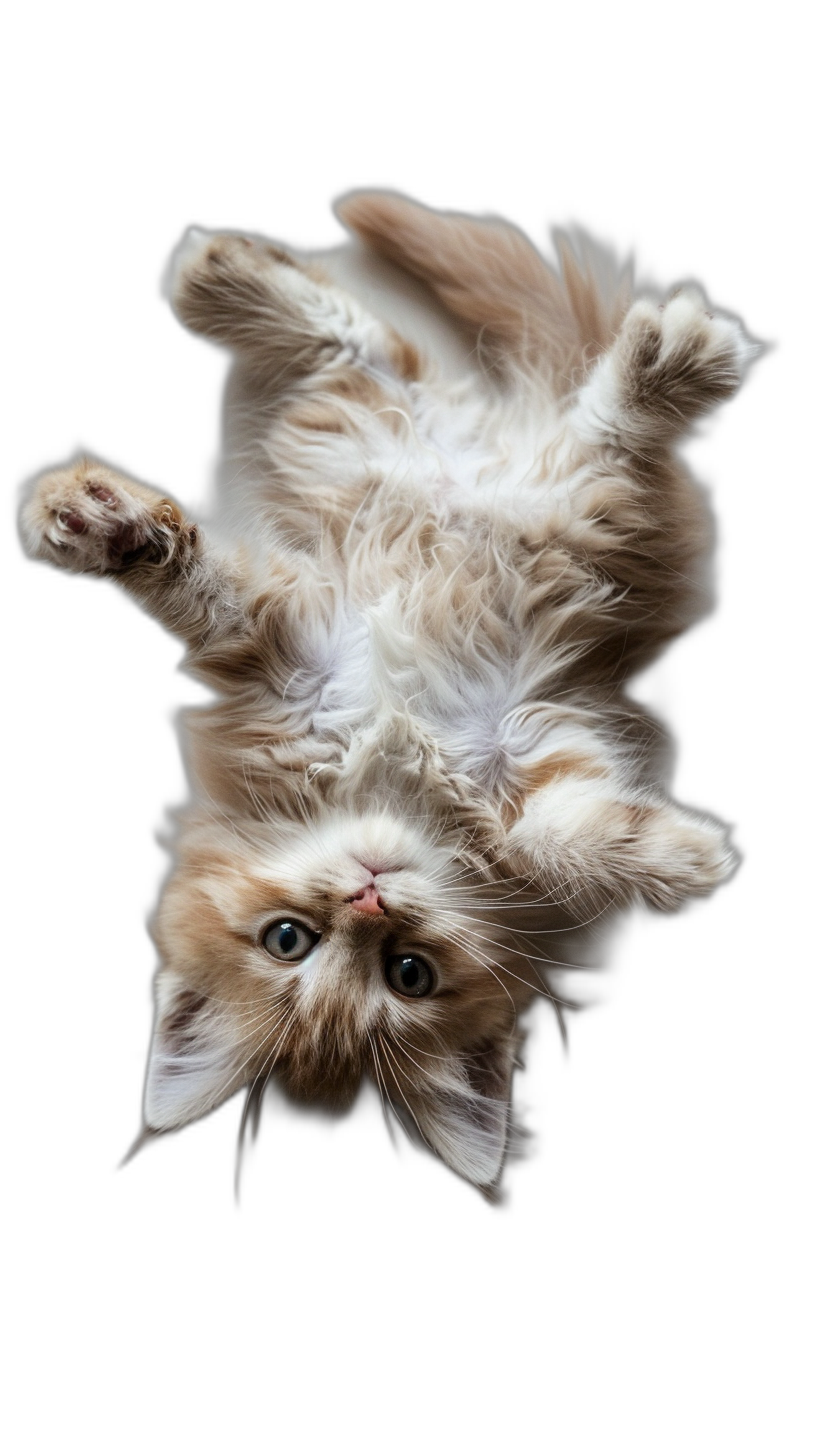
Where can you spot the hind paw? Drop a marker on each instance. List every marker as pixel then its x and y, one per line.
pixel 681 354
pixel 218 277
pixel 668 364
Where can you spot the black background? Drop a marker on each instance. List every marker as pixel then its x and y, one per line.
pixel 654 1124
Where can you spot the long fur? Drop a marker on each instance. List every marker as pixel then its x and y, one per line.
pixel 418 633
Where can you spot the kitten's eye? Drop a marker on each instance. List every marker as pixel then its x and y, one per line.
pixel 409 975
pixel 288 940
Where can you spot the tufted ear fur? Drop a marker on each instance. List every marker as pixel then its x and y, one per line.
pixel 195 1057
pixel 462 1110
pixel 590 842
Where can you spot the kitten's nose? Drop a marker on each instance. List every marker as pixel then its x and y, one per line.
pixel 367 900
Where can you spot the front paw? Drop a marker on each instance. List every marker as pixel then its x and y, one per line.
pixel 89 518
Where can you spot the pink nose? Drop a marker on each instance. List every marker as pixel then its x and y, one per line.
pixel 368 901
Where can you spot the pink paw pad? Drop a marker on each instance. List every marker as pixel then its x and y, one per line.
pixel 102 494
pixel 74 522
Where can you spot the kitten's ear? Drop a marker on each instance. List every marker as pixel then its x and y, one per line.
pixel 592 843
pixel 195 1060
pixel 463 1110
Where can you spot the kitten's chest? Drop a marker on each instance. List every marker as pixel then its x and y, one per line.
pixel 395 689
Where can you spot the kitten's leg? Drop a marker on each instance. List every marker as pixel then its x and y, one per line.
pixel 313 367
pixel 89 518
pixel 596 846
pixel 617 499
pixel 278 316
pixel 667 365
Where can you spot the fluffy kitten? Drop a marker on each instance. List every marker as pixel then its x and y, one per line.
pixel 419 760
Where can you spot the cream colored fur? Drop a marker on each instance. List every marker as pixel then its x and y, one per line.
pixel 419 629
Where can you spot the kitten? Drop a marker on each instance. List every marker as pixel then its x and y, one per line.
pixel 419 761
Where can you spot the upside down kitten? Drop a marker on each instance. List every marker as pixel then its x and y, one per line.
pixel 419 759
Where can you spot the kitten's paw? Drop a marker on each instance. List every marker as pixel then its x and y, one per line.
pixel 681 335
pixel 668 364
pixel 684 856
pixel 216 278
pixel 593 844
pixel 89 518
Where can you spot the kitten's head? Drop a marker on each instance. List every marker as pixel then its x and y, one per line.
pixel 397 950
pixel 319 953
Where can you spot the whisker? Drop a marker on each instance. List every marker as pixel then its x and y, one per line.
pixel 382 1086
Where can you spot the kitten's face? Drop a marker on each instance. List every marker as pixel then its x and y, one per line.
pixel 318 953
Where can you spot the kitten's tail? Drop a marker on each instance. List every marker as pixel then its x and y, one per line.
pixel 529 317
